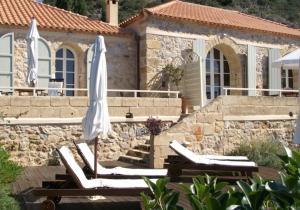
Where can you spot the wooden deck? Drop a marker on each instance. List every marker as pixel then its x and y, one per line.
pixel 33 177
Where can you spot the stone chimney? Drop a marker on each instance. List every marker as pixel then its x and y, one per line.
pixel 112 12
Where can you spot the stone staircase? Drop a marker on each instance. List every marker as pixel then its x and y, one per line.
pixel 139 155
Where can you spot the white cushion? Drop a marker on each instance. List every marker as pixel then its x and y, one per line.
pixel 89 157
pixel 98 183
pixel 203 159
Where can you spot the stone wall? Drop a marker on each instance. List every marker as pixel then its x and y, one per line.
pixel 34 145
pixel 73 107
pixel 166 40
pixel 228 121
pixel 121 56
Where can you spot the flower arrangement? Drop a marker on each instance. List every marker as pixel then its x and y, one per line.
pixel 154 126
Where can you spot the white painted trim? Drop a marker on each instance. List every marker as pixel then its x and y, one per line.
pixel 258 117
pixel 76 121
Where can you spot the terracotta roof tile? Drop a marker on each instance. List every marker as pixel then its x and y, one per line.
pixel 20 13
pixel 180 10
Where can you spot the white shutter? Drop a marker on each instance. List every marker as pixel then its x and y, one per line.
pixel 194 82
pixel 6 60
pixel 274 73
pixel 251 69
pixel 44 66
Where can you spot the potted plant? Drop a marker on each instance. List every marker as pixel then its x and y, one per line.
pixel 174 76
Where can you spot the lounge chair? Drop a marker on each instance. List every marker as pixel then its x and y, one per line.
pixel 81 186
pixel 88 158
pixel 225 167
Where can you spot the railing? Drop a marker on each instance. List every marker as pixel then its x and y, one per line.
pixel 280 91
pixel 35 90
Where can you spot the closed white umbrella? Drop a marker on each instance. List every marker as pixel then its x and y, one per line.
pixel 32 51
pixel 292 61
pixel 96 122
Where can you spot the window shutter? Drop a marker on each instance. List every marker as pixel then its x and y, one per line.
pixel 274 73
pixel 251 70
pixel 44 66
pixel 6 60
pixel 194 80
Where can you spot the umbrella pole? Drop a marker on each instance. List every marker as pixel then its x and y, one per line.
pixel 96 156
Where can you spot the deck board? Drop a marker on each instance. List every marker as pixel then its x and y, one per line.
pixel 33 177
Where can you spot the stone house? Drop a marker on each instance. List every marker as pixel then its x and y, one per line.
pixel 64 47
pixel 235 49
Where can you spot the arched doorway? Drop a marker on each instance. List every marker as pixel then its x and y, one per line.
pixel 217 73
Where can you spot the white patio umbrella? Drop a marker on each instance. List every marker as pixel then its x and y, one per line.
pixel 96 122
pixel 32 51
pixel 292 61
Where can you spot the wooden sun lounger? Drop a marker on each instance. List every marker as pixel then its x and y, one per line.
pixel 75 185
pixel 182 168
pixel 88 168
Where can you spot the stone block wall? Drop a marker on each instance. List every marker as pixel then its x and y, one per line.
pixel 73 107
pixel 228 121
pixel 34 145
pixel 121 56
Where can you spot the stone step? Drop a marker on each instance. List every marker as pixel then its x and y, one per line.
pixel 143 147
pixel 139 153
pixel 134 160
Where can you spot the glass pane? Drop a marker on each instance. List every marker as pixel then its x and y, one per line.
pixel 283 73
pixel 70 66
pixel 59 53
pixel 291 83
pixel 226 67
pixel 227 80
pixel 70 92
pixel 283 83
pixel 208 92
pixel 217 66
pixel 44 67
pixel 70 78
pixel 58 75
pixel 70 54
pixel 6 64
pixel 217 81
pixel 217 91
pixel 44 51
pixel 6 45
pixel 207 65
pixel 290 72
pixel 207 79
pixel 208 55
pixel 216 54
pixel 58 65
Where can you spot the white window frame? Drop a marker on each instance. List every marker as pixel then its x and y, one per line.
pixel 12 58
pixel 287 85
pixel 212 73
pixel 64 59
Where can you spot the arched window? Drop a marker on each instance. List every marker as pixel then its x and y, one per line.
pixel 65 68
pixel 217 73
pixel 6 60
pixel 44 69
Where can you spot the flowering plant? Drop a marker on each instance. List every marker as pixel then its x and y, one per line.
pixel 154 126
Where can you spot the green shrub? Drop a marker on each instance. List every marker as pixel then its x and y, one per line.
pixel 264 153
pixel 8 173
